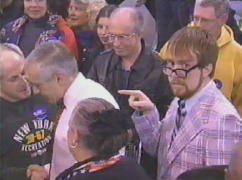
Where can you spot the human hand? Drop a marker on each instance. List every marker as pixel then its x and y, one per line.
pixel 36 172
pixel 138 100
pixel 140 3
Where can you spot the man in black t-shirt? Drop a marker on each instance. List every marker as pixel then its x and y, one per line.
pixel 25 121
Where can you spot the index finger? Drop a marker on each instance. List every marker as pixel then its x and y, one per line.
pixel 135 93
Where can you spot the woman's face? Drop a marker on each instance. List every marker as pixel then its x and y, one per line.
pixel 103 30
pixel 35 9
pixel 77 13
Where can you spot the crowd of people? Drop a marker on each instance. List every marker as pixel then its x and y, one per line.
pixel 85 97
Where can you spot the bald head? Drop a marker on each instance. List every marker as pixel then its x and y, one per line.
pixel 13 85
pixel 129 16
pixel 7 53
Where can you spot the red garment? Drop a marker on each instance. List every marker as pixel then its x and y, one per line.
pixel 69 37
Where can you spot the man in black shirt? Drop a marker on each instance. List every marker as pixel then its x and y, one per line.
pixel 25 121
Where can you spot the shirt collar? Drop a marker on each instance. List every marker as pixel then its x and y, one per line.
pixel 68 97
pixel 195 99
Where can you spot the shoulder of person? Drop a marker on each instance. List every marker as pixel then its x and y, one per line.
pixel 104 55
pixel 105 52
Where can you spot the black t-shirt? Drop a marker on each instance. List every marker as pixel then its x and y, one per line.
pixel 25 136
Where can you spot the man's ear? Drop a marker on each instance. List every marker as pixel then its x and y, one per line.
pixel 207 70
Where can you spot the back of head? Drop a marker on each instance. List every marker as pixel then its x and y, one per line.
pixel 206 173
pixel 53 57
pixel 193 40
pixel 105 127
pixel 221 7
pixel 133 14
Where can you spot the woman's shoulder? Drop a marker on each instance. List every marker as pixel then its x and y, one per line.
pixel 124 169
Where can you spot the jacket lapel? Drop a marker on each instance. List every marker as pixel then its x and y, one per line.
pixel 192 126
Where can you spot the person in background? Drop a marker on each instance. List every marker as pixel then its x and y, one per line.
pixel 131 65
pixel 80 19
pixel 172 15
pixel 10 10
pixel 201 126
pixel 26 121
pixel 96 133
pixel 37 26
pixel 211 15
pixel 52 71
pixel 102 30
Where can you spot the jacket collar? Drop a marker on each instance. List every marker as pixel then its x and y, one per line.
pixel 141 63
pixel 52 21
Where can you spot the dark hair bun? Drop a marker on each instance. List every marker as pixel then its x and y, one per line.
pixel 110 123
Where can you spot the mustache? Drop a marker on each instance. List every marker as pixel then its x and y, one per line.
pixel 177 82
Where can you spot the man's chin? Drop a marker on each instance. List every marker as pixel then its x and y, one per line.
pixel 119 52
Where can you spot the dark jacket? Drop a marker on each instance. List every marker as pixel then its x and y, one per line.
pixel 87 42
pixel 123 170
pixel 145 75
pixel 26 133
pixel 47 28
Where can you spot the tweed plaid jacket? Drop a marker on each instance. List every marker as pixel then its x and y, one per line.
pixel 207 136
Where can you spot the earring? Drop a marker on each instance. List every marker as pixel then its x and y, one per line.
pixel 73 146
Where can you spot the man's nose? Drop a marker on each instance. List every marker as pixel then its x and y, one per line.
pixel 115 41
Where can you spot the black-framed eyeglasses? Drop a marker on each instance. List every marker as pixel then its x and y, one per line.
pixel 181 73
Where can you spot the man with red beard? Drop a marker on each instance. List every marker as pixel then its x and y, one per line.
pixel 201 126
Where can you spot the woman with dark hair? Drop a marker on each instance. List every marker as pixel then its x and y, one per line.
pixel 96 133
pixel 102 22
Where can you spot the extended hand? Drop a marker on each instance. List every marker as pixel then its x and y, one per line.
pixel 140 3
pixel 138 100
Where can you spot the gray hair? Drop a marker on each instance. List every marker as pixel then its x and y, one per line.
pixel 8 47
pixel 134 14
pixel 221 7
pixel 53 57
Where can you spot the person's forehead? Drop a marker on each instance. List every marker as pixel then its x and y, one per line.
pixel 205 12
pixel 10 58
pixel 12 68
pixel 121 27
pixel 103 20
pixel 182 56
pixel 181 61
pixel 32 72
pixel 78 4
